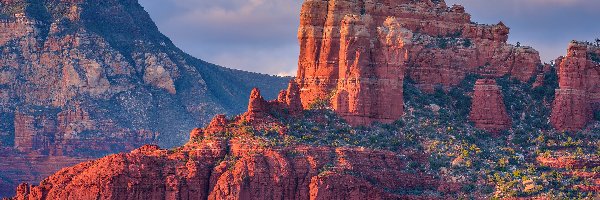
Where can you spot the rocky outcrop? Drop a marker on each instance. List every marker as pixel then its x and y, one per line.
pixel 488 111
pixel 573 168
pixel 207 171
pixel 287 104
pixel 240 167
pixel 257 106
pixel 292 98
pixel 578 94
pixel 229 159
pixel 355 54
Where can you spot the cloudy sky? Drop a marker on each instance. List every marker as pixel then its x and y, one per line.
pixel 260 35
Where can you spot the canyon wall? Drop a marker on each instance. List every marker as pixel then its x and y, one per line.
pixel 578 95
pixel 356 54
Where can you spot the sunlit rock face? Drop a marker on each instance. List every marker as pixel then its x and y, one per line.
pixel 579 91
pixel 356 54
pixel 84 78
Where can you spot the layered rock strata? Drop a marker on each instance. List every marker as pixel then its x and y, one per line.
pixel 355 54
pixel 578 94
pixel 488 111
pixel 371 70
pixel 221 169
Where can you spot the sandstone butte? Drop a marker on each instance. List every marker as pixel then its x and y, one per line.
pixel 356 54
pixel 578 94
pixel 211 166
pixel 488 111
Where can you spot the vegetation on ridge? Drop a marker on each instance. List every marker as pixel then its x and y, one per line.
pixel 438 138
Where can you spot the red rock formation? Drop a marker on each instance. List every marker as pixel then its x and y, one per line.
pixel 196 133
pixel 16 168
pixel 23 191
pixel 257 106
pixel 347 53
pixel 287 103
pixel 234 169
pixel 540 78
pixel 578 94
pixel 218 124
pixel 568 162
pixel 74 120
pixel 488 111
pixel 292 98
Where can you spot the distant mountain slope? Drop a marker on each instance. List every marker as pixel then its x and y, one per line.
pixel 107 61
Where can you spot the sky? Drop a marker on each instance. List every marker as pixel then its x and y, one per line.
pixel 260 35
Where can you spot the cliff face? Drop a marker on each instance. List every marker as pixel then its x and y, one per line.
pixel 371 70
pixel 83 78
pixel 351 50
pixel 578 94
pixel 488 111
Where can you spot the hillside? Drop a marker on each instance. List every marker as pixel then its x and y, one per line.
pixel 83 79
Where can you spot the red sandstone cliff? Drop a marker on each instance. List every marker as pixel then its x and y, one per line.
pixel 578 94
pixel 219 169
pixel 356 53
pixel 488 111
pixel 371 70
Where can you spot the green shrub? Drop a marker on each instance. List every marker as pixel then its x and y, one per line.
pixel 467 43
pixel 595 57
pixel 442 43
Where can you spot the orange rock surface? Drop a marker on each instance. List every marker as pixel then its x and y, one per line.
pixel 356 53
pixel 488 111
pixel 578 94
pixel 217 169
